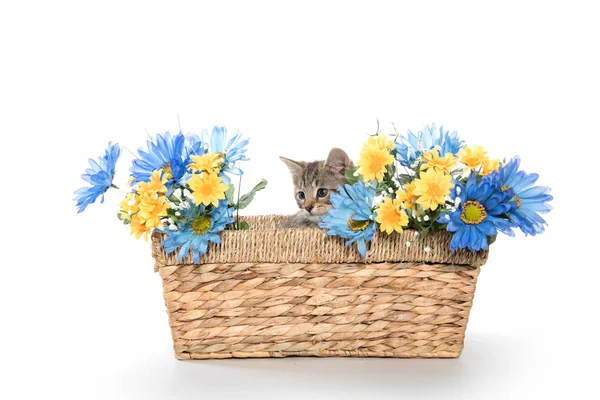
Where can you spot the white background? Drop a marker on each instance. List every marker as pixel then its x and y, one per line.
pixel 82 311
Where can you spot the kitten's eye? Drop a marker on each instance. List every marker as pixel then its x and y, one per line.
pixel 322 192
pixel 301 195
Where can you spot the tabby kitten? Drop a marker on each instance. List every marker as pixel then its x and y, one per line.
pixel 313 184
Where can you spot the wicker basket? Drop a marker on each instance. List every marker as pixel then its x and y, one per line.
pixel 297 292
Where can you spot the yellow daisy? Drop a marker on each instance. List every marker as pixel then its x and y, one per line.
pixel 152 208
pixel 408 196
pixel 155 185
pixel 433 160
pixel 383 142
pixel 472 156
pixel 490 165
pixel 208 189
pixel 138 228
pixel 432 188
pixel 129 206
pixel 209 162
pixel 374 158
pixel 390 217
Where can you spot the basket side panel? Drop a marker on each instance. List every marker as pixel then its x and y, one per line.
pixel 278 310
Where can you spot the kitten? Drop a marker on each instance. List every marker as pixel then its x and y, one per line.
pixel 313 184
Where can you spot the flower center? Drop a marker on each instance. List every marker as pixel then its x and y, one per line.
pixel 201 225
pixel 434 189
pixel 517 200
pixel 167 170
pixel 206 189
pixel 473 213
pixel 358 225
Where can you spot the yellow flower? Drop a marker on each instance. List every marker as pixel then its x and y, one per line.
pixel 472 156
pixel 433 160
pixel 138 228
pixel 390 217
pixel 155 185
pixel 129 206
pixel 432 188
pixel 208 189
pixel 209 162
pixel 375 157
pixel 408 196
pixel 490 165
pixel 382 142
pixel 152 208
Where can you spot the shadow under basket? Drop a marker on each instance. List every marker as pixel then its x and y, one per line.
pixel 272 292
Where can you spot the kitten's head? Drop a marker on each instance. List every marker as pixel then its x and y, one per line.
pixel 315 181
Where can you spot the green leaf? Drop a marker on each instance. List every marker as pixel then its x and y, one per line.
pixel 491 239
pixel 246 199
pixel 229 195
pixel 349 174
pixel 404 179
pixel 230 191
pixel 243 226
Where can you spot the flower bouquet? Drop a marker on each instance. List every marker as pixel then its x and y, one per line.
pixel 179 186
pixel 422 210
pixel 431 182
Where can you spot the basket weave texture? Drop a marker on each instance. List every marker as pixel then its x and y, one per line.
pixel 297 292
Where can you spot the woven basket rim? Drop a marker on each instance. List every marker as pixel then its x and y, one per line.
pixel 266 243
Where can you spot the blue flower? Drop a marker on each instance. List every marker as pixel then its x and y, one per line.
pixel 234 149
pixel 170 153
pixel 412 146
pixel 351 216
pixel 530 201
pixel 479 215
pixel 100 176
pixel 197 229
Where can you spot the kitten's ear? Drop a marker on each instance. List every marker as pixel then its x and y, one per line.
pixel 295 167
pixel 338 161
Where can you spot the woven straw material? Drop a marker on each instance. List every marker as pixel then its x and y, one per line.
pixel 401 302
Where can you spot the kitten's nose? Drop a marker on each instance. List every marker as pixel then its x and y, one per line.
pixel 309 208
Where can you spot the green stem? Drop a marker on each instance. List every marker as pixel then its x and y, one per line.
pixel 112 185
pixel 237 217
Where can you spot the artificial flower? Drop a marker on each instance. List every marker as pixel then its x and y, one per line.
pixel 171 154
pixel 207 188
pixel 375 157
pixel 390 217
pixel 233 149
pixel 138 227
pixel 156 184
pixel 152 209
pixel 490 165
pixel 530 201
pixel 407 195
pixel 209 162
pixel 432 159
pixel 411 147
pixel 432 187
pixel 479 215
pixel 473 156
pixel 129 206
pixel 351 216
pixel 99 176
pixel 200 228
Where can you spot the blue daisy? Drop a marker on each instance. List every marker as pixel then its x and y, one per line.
pixel 198 229
pixel 480 214
pixel 412 146
pixel 234 149
pixel 167 152
pixel 351 216
pixel 530 201
pixel 100 176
